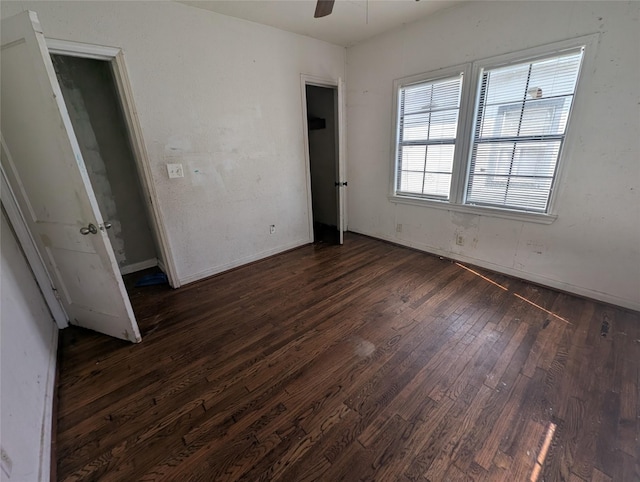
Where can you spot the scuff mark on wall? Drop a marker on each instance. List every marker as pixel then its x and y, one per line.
pixel 46 240
pixel 517 249
pixel 178 143
pixel 467 230
pixel 28 348
pixel 536 247
pixel 464 220
pixel 202 171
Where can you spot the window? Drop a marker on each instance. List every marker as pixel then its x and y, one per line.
pixel 491 143
pixel 428 123
pixel 522 117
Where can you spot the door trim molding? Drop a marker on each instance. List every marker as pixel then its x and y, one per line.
pixel 338 85
pixel 19 225
pixel 115 56
pixel 79 49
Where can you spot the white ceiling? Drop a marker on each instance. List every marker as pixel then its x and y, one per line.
pixel 351 22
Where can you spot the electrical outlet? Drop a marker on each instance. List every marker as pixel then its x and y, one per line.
pixel 5 462
pixel 459 240
pixel 175 171
pixel 272 229
pixel 398 228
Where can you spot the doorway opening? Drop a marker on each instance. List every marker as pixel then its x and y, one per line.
pixel 92 101
pixel 323 142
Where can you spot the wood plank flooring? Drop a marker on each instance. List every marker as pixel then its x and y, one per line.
pixel 363 362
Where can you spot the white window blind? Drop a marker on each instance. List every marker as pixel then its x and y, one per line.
pixel 519 129
pixel 427 128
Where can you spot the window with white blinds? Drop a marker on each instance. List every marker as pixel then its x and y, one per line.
pixel 487 135
pixel 519 129
pixel 427 127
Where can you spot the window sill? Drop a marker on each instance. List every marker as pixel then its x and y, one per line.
pixel 477 210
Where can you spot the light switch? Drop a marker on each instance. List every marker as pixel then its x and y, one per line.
pixel 175 170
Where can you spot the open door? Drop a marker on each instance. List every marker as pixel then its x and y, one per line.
pixel 46 171
pixel 323 114
pixel 342 182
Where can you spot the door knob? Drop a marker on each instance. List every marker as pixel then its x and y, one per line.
pixel 105 225
pixel 89 229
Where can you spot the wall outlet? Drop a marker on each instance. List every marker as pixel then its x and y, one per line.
pixel 5 462
pixel 459 240
pixel 398 228
pixel 175 170
pixel 272 229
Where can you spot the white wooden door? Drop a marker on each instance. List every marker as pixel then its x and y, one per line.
pixel 46 171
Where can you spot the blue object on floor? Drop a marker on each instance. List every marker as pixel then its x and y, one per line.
pixel 152 279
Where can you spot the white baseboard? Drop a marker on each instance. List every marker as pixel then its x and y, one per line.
pixel 132 268
pixel 239 262
pixel 44 471
pixel 534 278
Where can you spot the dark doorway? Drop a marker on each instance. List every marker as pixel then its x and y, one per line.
pixel 322 116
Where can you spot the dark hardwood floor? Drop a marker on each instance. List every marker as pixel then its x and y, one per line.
pixel 362 362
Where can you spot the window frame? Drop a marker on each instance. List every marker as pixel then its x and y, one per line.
pixel 469 105
pixel 433 76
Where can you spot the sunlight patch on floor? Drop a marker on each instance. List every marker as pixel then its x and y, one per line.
pixel 535 474
pixel 514 294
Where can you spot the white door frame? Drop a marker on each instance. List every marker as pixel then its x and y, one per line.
pixel 338 85
pixel 28 245
pixel 115 57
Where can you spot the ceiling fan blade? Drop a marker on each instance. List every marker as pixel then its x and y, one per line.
pixel 323 8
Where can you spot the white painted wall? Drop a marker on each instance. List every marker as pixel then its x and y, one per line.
pixel 223 97
pixel 593 248
pixel 28 343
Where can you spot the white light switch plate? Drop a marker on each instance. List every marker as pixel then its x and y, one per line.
pixel 175 170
